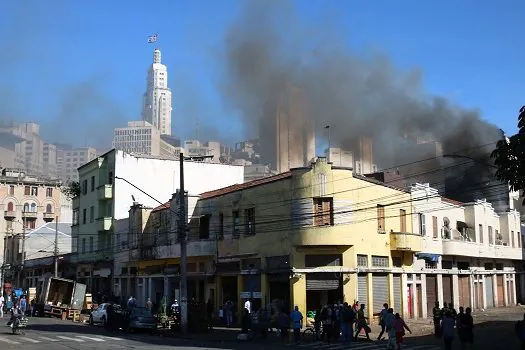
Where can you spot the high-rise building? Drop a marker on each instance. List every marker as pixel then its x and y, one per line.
pixel 69 159
pixel 287 136
pixel 156 108
pixel 142 138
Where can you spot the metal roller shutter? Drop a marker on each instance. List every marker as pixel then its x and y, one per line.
pixel 489 283
pixel 322 281
pixel 501 297
pixel 379 291
pixel 464 291
pixel 397 294
pixel 431 293
pixel 362 289
pixel 447 289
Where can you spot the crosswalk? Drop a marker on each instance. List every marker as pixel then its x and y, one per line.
pixel 363 346
pixel 36 339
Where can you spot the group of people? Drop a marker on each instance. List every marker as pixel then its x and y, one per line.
pixel 448 322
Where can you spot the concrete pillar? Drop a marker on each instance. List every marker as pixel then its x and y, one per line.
pixel 495 288
pixel 471 279
pixel 404 294
pixel 264 289
pixel 350 287
pixel 439 279
pixel 298 292
pixel 166 287
pixel 505 290
pixel 455 291
pixel 522 283
pixel 391 290
pixel 484 287
pixel 415 309
pixel 369 307
pixel 424 295
pixel 513 299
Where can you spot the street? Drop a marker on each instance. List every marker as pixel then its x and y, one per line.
pixel 494 329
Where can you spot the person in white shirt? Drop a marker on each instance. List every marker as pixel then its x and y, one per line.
pixel 248 305
pixel 2 301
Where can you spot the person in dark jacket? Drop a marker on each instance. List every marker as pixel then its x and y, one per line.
pixel 110 320
pixel 246 322
pixel 465 326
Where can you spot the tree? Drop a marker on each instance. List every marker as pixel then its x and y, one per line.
pixel 72 190
pixel 509 157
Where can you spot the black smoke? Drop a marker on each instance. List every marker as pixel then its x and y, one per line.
pixel 268 47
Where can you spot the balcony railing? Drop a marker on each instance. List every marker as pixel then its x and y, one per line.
pixel 29 215
pixel 405 241
pixel 105 192
pixel 9 214
pixel 49 216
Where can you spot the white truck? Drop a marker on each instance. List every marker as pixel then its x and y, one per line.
pixel 59 296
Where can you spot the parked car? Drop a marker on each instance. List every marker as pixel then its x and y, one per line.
pixel 99 315
pixel 140 318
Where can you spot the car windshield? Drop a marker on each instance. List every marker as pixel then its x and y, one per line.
pixel 141 312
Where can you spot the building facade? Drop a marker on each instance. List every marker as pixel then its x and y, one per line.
pixel 156 108
pixel 69 159
pixel 27 202
pixel 469 254
pixel 111 184
pixel 142 138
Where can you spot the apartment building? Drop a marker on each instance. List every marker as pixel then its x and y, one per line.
pixel 470 256
pixel 26 202
pixel 143 138
pixel 69 159
pixel 116 181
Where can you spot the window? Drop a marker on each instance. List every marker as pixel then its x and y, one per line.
pixel 204 227
pixel 110 178
pixel 446 265
pixel 499 238
pixel 27 191
pixel 26 207
pixel 9 224
pixel 83 245
pixel 92 183
pixel 33 208
pixel 488 266
pixel 422 224
pixel 49 208
pixel 84 187
pixel 519 240
pixel 49 192
pixel 75 217
pixel 381 218
pixel 34 191
pixel 221 225
pixel 323 211
pixel 11 190
pixel 249 221
pixel 430 264
pixel 435 229
pixel 379 261
pixel 31 224
pixel 512 239
pixel 463 265
pixel 84 215
pixel 362 260
pixel 10 206
pixel 491 235
pixel 91 247
pixel 402 220
pixel 480 229
pixel 91 214
pixel 235 223
pixel 397 261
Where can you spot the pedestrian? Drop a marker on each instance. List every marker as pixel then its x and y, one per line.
pixel 382 316
pixel 149 304
pixel 2 302
pixel 246 322
pixel 317 322
pixel 110 317
pixel 347 321
pixel 23 304
pixel 228 307
pixel 248 306
pixel 283 322
pixel 448 322
pixel 391 331
pixel 362 324
pixel 210 309
pixel 327 323
pixel 400 326
pixel 264 321
pixel 297 323
pixel 466 327
pixel 436 317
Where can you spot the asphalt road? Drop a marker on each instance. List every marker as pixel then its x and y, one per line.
pixel 495 330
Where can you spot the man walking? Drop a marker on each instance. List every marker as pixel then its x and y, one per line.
pixel 436 316
pixel 382 316
pixel 361 323
pixel 297 323
pixel 2 301
pixel 347 320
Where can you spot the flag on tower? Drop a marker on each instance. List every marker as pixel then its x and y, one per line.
pixel 152 38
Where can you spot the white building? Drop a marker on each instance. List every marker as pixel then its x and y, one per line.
pixel 111 184
pixel 469 254
pixel 345 158
pixel 142 138
pixel 69 159
pixel 156 108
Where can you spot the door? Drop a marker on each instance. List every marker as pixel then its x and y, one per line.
pixel 447 289
pixel 409 302
pixel 78 296
pixel 478 295
pixel 489 283
pixel 379 291
pixel 501 296
pixel 362 289
pixel 431 292
pixel 419 294
pixel 397 294
pixel 510 292
pixel 464 291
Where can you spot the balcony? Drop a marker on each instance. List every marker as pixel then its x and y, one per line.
pixel 480 250
pixel 104 223
pixel 29 215
pixel 49 217
pixel 405 241
pixel 9 214
pixel 105 192
pixel 194 248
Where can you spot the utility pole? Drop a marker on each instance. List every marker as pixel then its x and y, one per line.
pixel 23 258
pixel 183 253
pixel 56 246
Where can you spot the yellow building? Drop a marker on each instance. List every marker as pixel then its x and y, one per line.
pixel 311 236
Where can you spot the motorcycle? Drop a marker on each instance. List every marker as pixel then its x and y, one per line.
pixel 19 325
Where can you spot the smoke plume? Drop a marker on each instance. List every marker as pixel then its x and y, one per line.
pixel 268 47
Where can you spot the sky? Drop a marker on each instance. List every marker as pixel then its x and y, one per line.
pixel 79 67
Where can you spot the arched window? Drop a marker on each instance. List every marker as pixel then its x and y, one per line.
pixel 49 208
pixel 10 206
pixel 33 208
pixel 26 207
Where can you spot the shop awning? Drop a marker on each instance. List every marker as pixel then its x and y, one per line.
pixel 428 256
